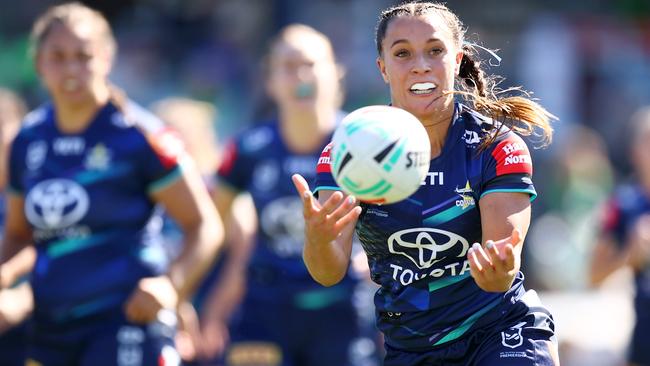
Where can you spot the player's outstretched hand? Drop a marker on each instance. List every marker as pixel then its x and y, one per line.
pixel 151 295
pixel 495 266
pixel 324 223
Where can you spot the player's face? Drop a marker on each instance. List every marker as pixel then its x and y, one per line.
pixel 73 62
pixel 420 60
pixel 303 75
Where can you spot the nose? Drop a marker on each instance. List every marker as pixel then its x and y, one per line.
pixel 305 73
pixel 420 65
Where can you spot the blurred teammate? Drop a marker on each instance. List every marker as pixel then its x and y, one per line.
pixel 286 318
pixel 85 173
pixel 15 301
pixel 625 236
pixel 442 300
pixel 194 121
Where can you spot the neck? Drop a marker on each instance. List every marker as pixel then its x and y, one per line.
pixel 305 132
pixel 75 117
pixel 437 129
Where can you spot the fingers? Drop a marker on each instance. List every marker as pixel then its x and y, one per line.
pixel 302 187
pixel 479 262
pixel 300 183
pixel 348 218
pixel 332 203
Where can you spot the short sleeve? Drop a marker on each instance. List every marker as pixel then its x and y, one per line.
pixel 17 163
pixel 508 167
pixel 324 178
pixel 236 168
pixel 611 222
pixel 163 154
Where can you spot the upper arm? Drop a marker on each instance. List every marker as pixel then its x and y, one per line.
pixel 186 200
pixel 501 212
pixel 17 231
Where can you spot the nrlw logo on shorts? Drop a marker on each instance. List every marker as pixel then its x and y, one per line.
pixel 425 246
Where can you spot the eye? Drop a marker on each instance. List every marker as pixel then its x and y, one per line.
pixel 436 51
pixel 84 56
pixel 401 53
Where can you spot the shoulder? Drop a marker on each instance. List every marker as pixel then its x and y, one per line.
pixel 627 197
pixel 35 120
pixel 135 117
pixel 475 125
pixel 257 138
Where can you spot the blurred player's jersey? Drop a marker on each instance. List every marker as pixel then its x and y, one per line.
pixel 87 198
pixel 259 162
pixel 622 211
pixel 417 248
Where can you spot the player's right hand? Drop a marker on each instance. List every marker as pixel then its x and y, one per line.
pixel 324 223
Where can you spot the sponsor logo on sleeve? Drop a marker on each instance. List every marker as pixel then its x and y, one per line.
pixel 512 156
pixel 324 164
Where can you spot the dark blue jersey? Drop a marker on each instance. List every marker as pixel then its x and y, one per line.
pixel 417 248
pixel 87 198
pixel 259 162
pixel 622 211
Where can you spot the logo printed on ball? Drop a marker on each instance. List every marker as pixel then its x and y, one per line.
pixel 380 154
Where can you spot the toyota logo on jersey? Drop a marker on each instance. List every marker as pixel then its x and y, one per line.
pixel 426 246
pixel 56 203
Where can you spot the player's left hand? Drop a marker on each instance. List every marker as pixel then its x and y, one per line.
pixel 495 266
pixel 151 295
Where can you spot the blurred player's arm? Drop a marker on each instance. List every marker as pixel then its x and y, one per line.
pixel 17 255
pixel 16 304
pixel 187 202
pixel 329 228
pixel 608 256
pixel 240 221
pixel 505 217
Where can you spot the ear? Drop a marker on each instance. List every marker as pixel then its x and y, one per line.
pixel 459 58
pixel 382 69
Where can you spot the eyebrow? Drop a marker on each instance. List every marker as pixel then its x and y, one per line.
pixel 406 41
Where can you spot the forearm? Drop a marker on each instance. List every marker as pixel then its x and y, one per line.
pixel 227 295
pixel 201 245
pixel 327 262
pixel 17 266
pixel 606 259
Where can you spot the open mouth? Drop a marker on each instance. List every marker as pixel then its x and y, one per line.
pixel 422 88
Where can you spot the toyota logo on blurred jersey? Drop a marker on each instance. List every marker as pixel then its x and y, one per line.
pixel 425 246
pixel 56 203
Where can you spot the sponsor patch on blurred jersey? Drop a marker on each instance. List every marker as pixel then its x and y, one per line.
pixel 168 146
